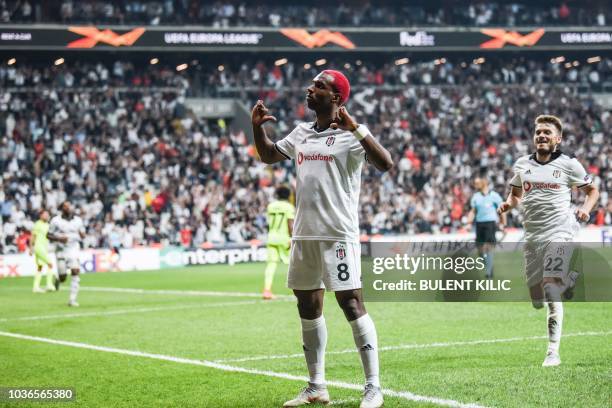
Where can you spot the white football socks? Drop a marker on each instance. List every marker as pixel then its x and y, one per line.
pixel 314 337
pixel 74 287
pixel 554 320
pixel 364 333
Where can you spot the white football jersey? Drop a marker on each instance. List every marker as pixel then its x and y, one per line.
pixel 69 228
pixel 328 166
pixel 546 203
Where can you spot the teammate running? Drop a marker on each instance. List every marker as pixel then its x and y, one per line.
pixel 280 227
pixel 39 247
pixel 543 183
pixel 325 253
pixel 67 229
pixel 484 204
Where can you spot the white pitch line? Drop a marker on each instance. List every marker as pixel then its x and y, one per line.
pixel 178 292
pixel 224 367
pixel 344 401
pixel 413 346
pixel 135 310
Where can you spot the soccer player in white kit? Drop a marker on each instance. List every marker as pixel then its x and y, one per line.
pixel 67 230
pixel 542 183
pixel 325 254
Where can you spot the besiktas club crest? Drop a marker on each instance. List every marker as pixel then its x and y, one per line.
pixel 330 140
pixel 340 251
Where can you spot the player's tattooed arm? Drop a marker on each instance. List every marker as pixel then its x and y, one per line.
pixel 592 195
pixel 265 147
pixel 375 152
pixel 513 200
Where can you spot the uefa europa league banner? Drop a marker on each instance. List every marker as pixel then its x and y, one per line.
pixel 121 38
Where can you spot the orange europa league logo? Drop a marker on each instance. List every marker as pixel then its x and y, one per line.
pixel 318 39
pixel 94 36
pixel 502 37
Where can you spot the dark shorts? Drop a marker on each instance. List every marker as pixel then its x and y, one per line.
pixel 485 232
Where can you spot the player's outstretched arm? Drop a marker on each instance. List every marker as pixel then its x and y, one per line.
pixel 513 200
pixel 57 238
pixel 265 147
pixel 376 153
pixel 592 195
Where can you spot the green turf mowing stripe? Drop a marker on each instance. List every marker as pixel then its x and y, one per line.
pixel 414 346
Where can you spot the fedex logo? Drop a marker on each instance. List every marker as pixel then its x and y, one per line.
pixel 98 261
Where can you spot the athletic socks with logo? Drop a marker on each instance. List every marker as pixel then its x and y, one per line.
pixel 314 337
pixel 554 320
pixel 364 333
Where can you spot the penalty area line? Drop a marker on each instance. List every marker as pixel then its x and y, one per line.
pixel 138 310
pixel 224 367
pixel 177 292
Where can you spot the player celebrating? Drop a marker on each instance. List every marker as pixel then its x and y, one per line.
pixel 280 227
pixel 325 254
pixel 542 182
pixel 39 245
pixel 67 229
pixel 484 204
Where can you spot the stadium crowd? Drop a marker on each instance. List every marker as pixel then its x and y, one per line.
pixel 242 77
pixel 308 13
pixel 239 78
pixel 141 168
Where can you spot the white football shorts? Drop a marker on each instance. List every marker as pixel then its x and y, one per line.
pixel 331 265
pixel 68 257
pixel 547 260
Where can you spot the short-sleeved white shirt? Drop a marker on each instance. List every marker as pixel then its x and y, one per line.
pixel 70 228
pixel 328 166
pixel 546 203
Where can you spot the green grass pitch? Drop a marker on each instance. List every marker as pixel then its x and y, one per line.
pixel 202 349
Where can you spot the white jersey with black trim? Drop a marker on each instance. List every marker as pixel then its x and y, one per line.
pixel 328 166
pixel 69 228
pixel 546 203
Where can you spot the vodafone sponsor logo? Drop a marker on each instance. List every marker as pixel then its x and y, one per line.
pixel 527 186
pixel 314 157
